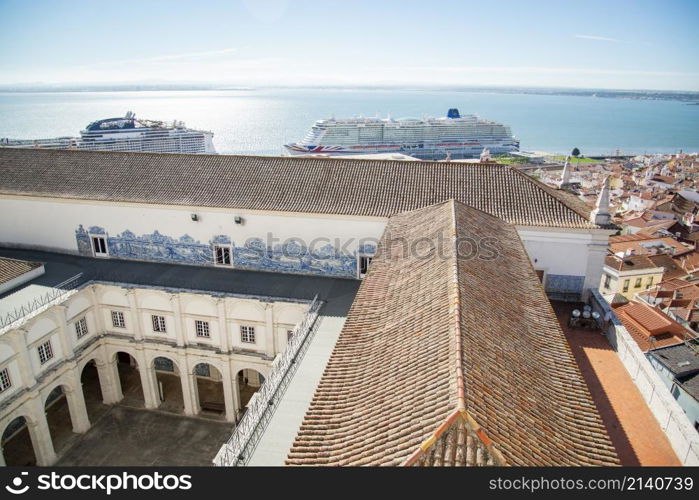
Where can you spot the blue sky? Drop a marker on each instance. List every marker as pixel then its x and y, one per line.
pixel 601 44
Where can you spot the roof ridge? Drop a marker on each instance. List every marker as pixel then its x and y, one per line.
pixel 456 312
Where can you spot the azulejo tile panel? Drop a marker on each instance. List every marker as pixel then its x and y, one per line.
pixel 560 283
pixel 254 254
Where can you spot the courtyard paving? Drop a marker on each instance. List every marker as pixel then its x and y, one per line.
pixel 118 438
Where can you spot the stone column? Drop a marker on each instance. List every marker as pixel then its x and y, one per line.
pixel 230 394
pixel 271 337
pixel 189 387
pixel 179 323
pixel 236 390
pixel 225 343
pixel 110 382
pixel 40 435
pixel 76 405
pixel 99 317
pixel 66 333
pixel 149 382
pixel 18 339
pixel 135 316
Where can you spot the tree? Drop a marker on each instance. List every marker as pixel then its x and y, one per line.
pixel 576 152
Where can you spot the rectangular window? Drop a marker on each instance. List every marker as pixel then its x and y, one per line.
pixel 247 334
pixel 81 327
pixel 45 352
pixel 363 265
pixel 158 323
pixel 5 382
pixel 289 334
pixel 118 319
pixel 222 254
pixel 639 282
pixel 202 328
pixel 607 281
pixel 626 285
pixel 650 283
pixel 99 245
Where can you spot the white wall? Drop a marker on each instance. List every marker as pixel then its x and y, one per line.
pixel 52 224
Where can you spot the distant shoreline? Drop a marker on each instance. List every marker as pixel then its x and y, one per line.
pixel 689 97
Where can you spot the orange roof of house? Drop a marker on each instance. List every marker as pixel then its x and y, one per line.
pixel 650 327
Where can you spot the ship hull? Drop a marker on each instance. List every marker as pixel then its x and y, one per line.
pixel 423 151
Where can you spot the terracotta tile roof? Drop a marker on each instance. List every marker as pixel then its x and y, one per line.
pixel 650 327
pixel 289 184
pixel 11 268
pixel 424 348
pixel 672 268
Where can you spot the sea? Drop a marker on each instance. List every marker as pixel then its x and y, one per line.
pixel 260 121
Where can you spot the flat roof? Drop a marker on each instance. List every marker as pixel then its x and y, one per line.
pixel 60 267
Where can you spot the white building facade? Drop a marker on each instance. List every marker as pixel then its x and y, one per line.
pixel 188 334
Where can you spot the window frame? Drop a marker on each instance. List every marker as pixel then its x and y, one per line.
pixel 158 323
pixel 607 281
pixel 5 379
pixel 226 250
pixel 368 258
pixel 45 350
pixel 248 332
pixel 80 327
pixel 639 283
pixel 625 287
pixel 118 319
pixel 202 329
pixel 95 252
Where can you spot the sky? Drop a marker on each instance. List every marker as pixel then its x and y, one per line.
pixel 615 44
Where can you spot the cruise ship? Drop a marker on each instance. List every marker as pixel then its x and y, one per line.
pixel 430 138
pixel 128 134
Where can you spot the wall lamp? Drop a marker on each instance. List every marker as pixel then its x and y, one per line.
pixel 195 217
pixel 238 219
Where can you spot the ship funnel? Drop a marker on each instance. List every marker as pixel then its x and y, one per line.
pixel 453 113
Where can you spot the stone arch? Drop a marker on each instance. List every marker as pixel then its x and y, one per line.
pixel 249 380
pixel 168 376
pixel 91 383
pixel 155 300
pixel 124 362
pixel 209 385
pixel 64 406
pixel 76 305
pixel 246 310
pixel 207 306
pixel 17 440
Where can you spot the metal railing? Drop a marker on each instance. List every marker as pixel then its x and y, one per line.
pixel 52 296
pixel 240 446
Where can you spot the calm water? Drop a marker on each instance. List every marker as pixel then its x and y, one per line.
pixel 260 121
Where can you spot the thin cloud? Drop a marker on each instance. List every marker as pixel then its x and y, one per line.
pixel 188 56
pixel 597 38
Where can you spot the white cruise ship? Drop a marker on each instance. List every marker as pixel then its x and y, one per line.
pixel 430 138
pixel 128 134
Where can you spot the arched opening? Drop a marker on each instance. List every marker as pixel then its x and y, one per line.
pixel 130 380
pixel 167 376
pixel 210 390
pixel 249 382
pixel 92 391
pixel 17 445
pixel 59 419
